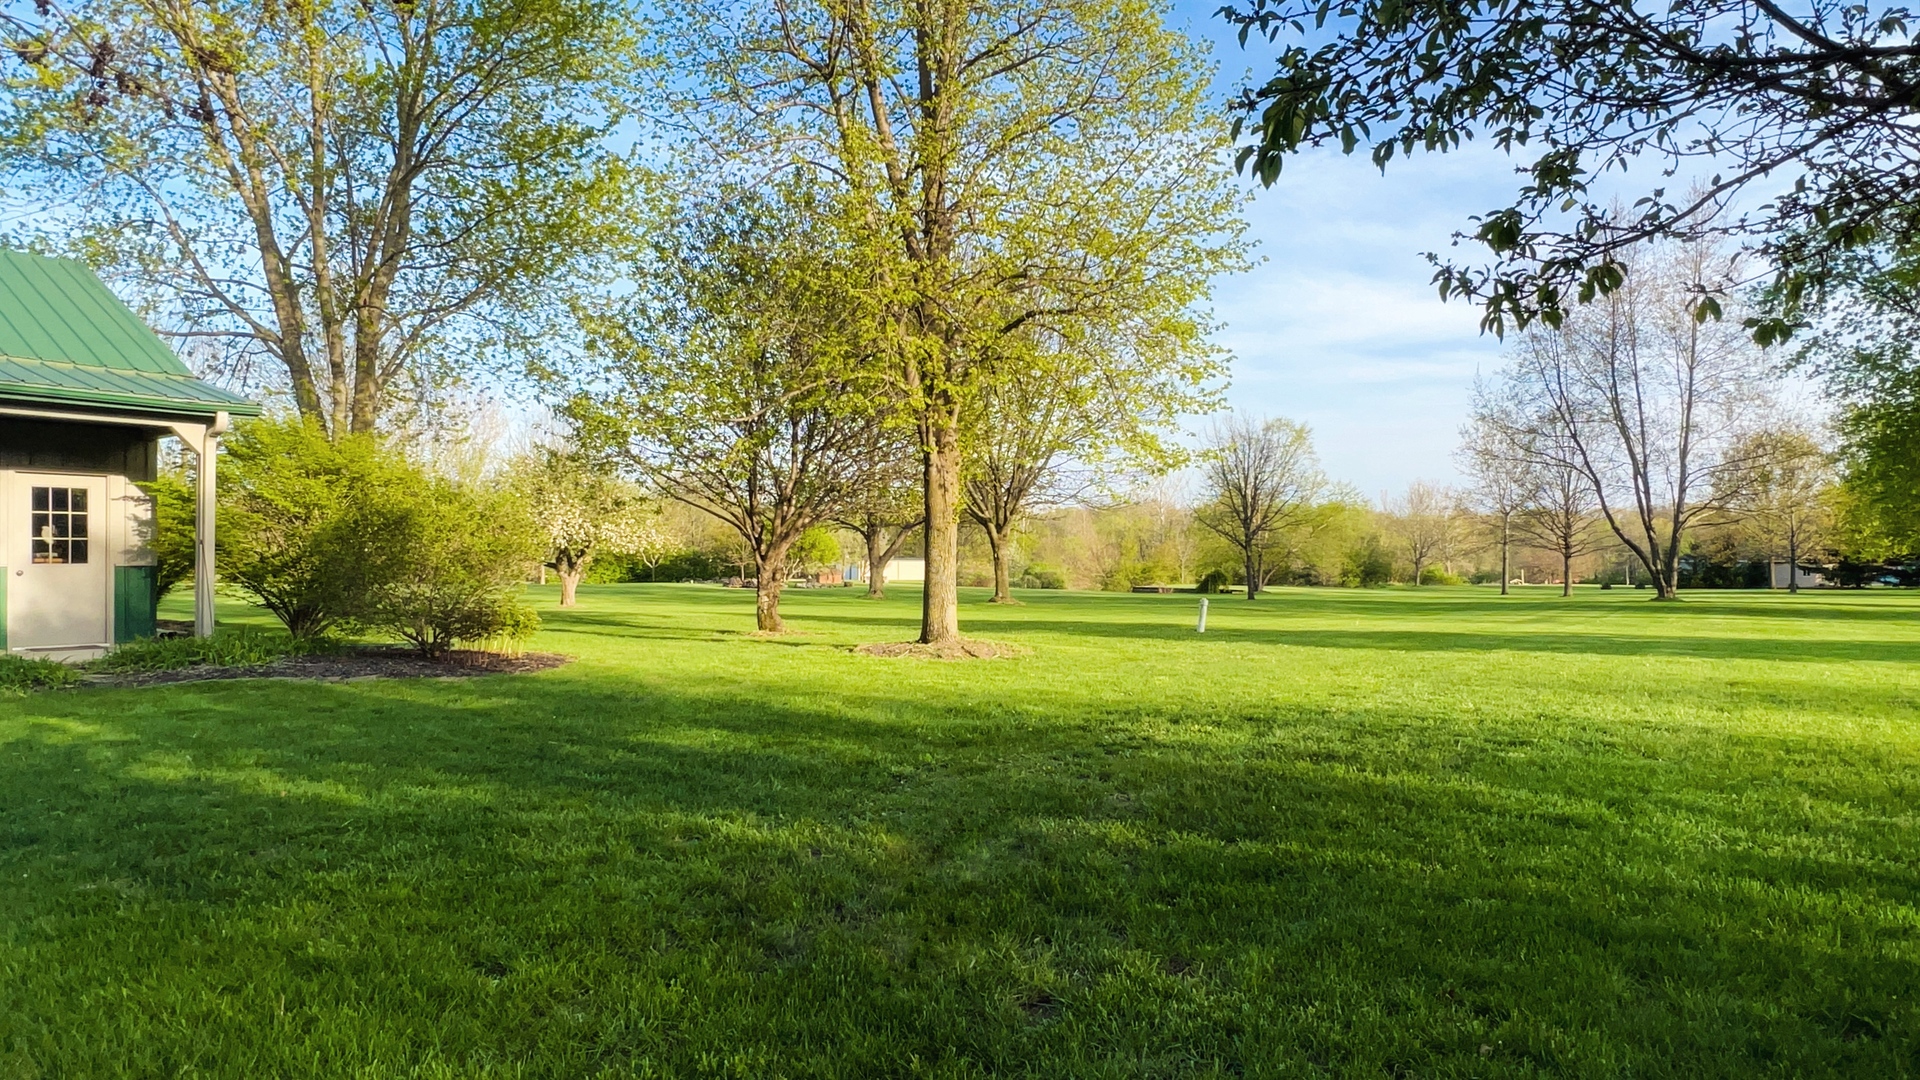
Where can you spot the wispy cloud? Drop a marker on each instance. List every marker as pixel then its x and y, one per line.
pixel 1339 325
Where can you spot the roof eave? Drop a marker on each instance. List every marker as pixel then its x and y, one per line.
pixel 145 405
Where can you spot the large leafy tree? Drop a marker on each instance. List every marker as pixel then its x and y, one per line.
pixel 735 375
pixel 369 193
pixel 1810 106
pixel 1014 166
pixel 1865 342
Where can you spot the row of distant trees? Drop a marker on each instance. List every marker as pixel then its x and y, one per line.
pixel 1634 422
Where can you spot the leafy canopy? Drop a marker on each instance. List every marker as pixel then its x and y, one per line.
pixel 1817 97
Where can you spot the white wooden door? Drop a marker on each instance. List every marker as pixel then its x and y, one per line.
pixel 58 559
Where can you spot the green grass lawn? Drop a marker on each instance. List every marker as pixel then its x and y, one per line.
pixel 1432 833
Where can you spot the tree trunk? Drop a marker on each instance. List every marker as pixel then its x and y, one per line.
pixel 1793 565
pixel 1666 581
pixel 1506 552
pixel 569 583
pixel 1566 573
pixel 876 563
pixel 1002 566
pixel 940 594
pixel 1253 575
pixel 770 576
pixel 1419 564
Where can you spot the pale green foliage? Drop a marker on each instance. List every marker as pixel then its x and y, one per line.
pixel 816 549
pixel 738 375
pixel 285 492
pixel 369 193
pixel 172 537
pixel 440 564
pixel 1785 493
pixel 1037 183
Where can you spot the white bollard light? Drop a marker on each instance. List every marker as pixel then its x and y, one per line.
pixel 1202 628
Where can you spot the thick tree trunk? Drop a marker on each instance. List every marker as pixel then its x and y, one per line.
pixel 1666 582
pixel 940 594
pixel 770 576
pixel 876 564
pixel 1419 564
pixel 1253 575
pixel 1566 573
pixel 1002 566
pixel 571 566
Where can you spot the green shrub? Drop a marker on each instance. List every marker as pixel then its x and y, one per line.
pixel 237 647
pixel 286 493
pixel 439 564
pixel 1367 565
pixel 1434 575
pixel 1041 577
pixel 22 675
pixel 817 549
pixel 171 540
pixel 1213 581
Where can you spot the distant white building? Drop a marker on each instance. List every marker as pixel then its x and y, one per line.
pixel 906 570
pixel 1807 578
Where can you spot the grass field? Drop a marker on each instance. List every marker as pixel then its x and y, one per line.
pixel 1346 833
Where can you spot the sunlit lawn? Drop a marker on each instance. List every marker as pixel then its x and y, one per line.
pixel 1433 833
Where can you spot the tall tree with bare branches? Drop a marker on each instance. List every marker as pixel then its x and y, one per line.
pixel 1261 478
pixel 1506 479
pixel 1646 402
pixel 1560 519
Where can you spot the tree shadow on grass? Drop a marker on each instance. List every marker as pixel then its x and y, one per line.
pixel 1518 639
pixel 566 875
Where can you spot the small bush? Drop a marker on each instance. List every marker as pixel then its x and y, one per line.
pixel 23 675
pixel 1041 577
pixel 285 494
pixel 1213 581
pixel 238 647
pixel 439 565
pixel 1434 575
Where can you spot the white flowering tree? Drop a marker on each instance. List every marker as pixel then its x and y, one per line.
pixel 583 510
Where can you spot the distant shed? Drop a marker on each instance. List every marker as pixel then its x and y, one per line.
pixel 87 390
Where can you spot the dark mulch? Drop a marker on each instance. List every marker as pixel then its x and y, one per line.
pixel 365 662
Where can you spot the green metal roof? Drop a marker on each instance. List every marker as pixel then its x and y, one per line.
pixel 66 340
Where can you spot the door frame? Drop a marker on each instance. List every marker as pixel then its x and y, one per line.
pixel 16 514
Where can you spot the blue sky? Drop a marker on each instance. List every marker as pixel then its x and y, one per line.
pixel 1338 325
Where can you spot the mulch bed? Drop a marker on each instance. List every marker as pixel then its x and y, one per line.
pixel 963 649
pixel 367 662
